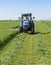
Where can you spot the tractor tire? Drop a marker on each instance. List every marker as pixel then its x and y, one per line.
pixel 20 29
pixel 25 31
pixel 32 31
pixel 32 28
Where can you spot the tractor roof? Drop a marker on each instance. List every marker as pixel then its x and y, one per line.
pixel 29 14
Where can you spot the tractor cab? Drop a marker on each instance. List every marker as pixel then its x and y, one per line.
pixel 26 23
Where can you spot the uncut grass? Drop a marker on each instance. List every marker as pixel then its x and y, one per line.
pixel 5 34
pixel 8 24
pixel 7 39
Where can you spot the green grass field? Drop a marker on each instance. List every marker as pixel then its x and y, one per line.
pixel 5 33
pixel 24 48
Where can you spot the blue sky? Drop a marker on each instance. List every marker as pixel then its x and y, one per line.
pixel 41 9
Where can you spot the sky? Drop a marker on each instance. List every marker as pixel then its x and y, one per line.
pixel 12 9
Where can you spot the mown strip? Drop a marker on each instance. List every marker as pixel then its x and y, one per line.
pixel 43 49
pixel 13 54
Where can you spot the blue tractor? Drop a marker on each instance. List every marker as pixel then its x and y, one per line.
pixel 27 23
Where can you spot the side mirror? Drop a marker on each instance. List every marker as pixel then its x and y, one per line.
pixel 19 18
pixel 33 17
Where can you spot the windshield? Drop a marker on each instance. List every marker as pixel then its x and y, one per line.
pixel 26 18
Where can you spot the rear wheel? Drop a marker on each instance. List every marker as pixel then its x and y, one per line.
pixel 32 28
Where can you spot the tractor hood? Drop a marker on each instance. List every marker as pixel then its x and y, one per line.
pixel 26 23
